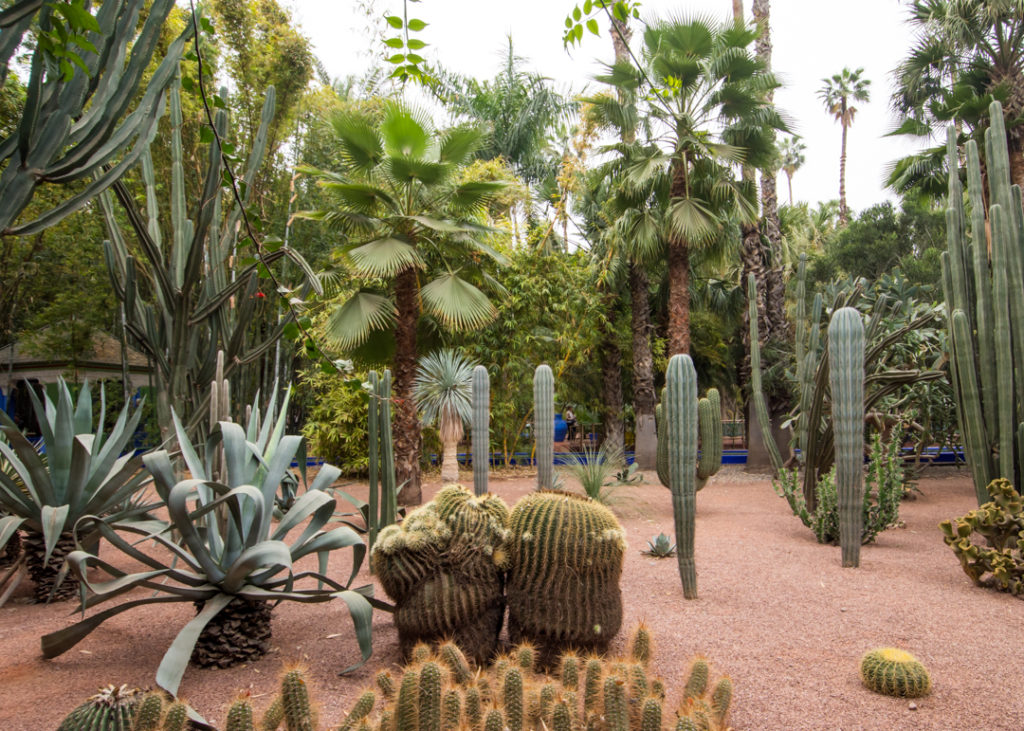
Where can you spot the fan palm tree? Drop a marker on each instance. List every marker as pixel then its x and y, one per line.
pixel 709 95
pixel 413 243
pixel 791 157
pixel 837 94
pixel 444 386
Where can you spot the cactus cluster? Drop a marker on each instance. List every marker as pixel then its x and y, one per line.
pixel 894 672
pixel 566 557
pixel 112 708
pixel 998 558
pixel 444 568
pixel 984 290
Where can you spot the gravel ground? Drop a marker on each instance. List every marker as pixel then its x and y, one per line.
pixel 776 612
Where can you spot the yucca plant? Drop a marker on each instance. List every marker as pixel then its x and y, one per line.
pixel 232 561
pixel 444 383
pixel 84 472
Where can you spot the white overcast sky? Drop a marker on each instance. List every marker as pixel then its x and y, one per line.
pixel 812 39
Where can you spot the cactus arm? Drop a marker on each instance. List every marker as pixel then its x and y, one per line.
pixel 846 361
pixel 481 429
pixel 982 284
pixel 681 416
pixel 756 392
pixel 709 420
pixel 544 425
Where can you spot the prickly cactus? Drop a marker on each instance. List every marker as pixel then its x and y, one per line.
pixel 680 408
pixel 111 709
pixel 846 374
pixel 544 425
pixel 481 429
pixel 894 672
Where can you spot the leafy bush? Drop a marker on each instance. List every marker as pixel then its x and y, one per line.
pixel 336 419
pixel 883 491
pixel 1000 524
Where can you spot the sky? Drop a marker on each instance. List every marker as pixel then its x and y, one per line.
pixel 812 39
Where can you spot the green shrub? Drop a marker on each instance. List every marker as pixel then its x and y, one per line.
pixel 883 490
pixel 336 419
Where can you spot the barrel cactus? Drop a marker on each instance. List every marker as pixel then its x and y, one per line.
pixel 563 585
pixel 444 569
pixel 111 709
pixel 894 672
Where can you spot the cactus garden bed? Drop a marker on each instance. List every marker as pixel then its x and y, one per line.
pixel 775 611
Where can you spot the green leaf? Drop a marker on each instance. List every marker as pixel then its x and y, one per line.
pixel 394 21
pixel 175 660
pixel 415 24
pixel 414 58
pixel 457 303
pixel 576 14
pixel 350 324
pixel 592 27
pixel 416 44
pixel 568 22
pixel 394 42
pixel 397 58
pixel 587 7
pixel 385 258
pixel 205 135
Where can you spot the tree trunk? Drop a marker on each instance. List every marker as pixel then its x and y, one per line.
pixel 643 369
pixel 1015 147
pixel 611 392
pixel 843 215
pixel 450 461
pixel 789 179
pixel 678 274
pixel 406 425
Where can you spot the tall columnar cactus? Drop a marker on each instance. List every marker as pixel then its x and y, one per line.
pixel 481 428
pixel 680 409
pixel 383 495
pixel 846 375
pixel 444 568
pixel 986 310
pixel 563 585
pixel 544 425
pixel 709 420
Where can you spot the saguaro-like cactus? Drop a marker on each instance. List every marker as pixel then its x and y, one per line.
pixel 383 498
pixel 986 315
pixel 680 409
pixel 544 425
pixel 709 420
pixel 846 375
pixel 481 428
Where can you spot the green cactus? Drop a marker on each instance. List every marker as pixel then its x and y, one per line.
pixel 561 717
pixel 697 682
pixel 721 700
pixel 474 707
pixel 273 717
pixel 362 709
pixel 846 376
pixel 112 708
pixel 640 644
pixel 548 696
pixel 987 329
pixel 444 568
pixel 481 428
pixel 592 686
pixel 680 408
pixel 240 716
pixel 512 698
pixel 650 719
pixel 544 425
pixel 407 708
pixel 430 697
pixel 894 672
pixel 616 713
pixel 298 712
pixel 176 718
pixel 455 660
pixel 149 712
pixel 383 496
pixel 567 553
pixel 709 420
pixel 570 671
pixel 386 684
pixel 451 709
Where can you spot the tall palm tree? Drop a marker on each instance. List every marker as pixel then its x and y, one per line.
pixel 837 94
pixel 412 245
pixel 444 387
pixel 791 157
pixel 709 97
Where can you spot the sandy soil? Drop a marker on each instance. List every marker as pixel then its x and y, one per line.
pixel 776 613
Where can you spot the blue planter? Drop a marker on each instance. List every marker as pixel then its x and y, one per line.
pixel 560 428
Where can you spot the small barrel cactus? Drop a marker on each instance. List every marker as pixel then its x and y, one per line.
pixel 894 672
pixel 111 709
pixel 444 569
pixel 563 585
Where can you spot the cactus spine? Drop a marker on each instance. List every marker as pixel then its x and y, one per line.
pixel 846 375
pixel 987 330
pixel 680 409
pixel 544 425
pixel 481 428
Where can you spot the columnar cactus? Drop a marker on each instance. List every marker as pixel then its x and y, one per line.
pixel 383 497
pixel 680 409
pixel 481 428
pixel 566 560
pixel 444 568
pixel 709 420
pixel 544 425
pixel 986 315
pixel 846 375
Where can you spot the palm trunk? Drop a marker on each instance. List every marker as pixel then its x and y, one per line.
pixel 611 392
pixel 643 369
pixel 843 215
pixel 678 275
pixel 406 425
pixel 789 179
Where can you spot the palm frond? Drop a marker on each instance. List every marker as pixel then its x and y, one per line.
pixel 385 257
pixel 350 324
pixel 457 303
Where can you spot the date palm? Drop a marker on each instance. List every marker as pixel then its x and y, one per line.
pixel 444 385
pixel 412 243
pixel 791 157
pixel 838 93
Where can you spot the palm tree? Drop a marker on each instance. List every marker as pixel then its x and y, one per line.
pixel 837 93
pixel 791 157
pixel 709 93
pixel 412 244
pixel 444 385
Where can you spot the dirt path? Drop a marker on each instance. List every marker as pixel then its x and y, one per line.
pixel 776 613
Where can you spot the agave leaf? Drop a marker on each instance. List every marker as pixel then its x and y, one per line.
pixel 175 660
pixel 82 418
pixel 362 619
pixel 59 642
pixel 236 455
pixel 78 475
pixel 268 557
pixel 280 461
pixel 53 520
pixel 9 524
pixel 27 464
pixel 311 502
pixel 325 477
pixel 182 519
pixel 341 537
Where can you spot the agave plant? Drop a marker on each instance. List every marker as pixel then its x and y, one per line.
pixel 233 562
pixel 443 389
pixel 595 470
pixel 83 472
pixel 661 546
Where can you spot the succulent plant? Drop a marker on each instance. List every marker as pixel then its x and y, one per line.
pixel 481 429
pixel 232 561
pixel 891 671
pixel 444 569
pixel 660 546
pixel 382 508
pixel 567 553
pixel 84 473
pixel 111 709
pixel 544 425
pixel 846 377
